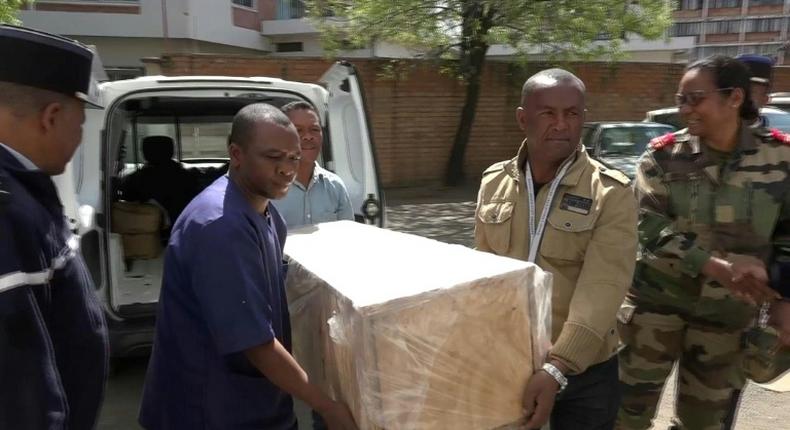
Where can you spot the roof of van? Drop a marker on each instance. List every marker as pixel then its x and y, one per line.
pixel 114 89
pixel 149 81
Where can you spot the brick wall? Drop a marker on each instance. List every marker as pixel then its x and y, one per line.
pixel 414 117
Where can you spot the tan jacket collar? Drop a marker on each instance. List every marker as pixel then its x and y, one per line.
pixel 514 167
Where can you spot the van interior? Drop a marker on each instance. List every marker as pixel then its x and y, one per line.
pixel 161 150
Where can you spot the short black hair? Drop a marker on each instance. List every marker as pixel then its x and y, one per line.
pixel 24 100
pixel 730 73
pixel 297 105
pixel 243 128
pixel 550 77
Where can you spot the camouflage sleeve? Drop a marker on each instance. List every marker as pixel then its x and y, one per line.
pixel 656 235
pixel 780 265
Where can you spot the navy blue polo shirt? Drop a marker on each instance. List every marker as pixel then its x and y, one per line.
pixel 223 292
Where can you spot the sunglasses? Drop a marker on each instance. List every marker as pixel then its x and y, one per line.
pixel 693 98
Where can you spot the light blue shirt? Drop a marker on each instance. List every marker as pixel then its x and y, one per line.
pixel 325 199
pixel 24 161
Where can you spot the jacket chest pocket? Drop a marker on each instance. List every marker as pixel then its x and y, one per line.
pixel 762 211
pixel 496 219
pixel 691 198
pixel 567 235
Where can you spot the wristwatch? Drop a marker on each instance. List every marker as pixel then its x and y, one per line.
pixel 556 374
pixel 765 315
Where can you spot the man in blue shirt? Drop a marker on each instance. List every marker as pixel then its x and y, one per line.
pixel 53 338
pixel 317 195
pixel 221 356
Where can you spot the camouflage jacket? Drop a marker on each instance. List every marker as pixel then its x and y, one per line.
pixel 694 204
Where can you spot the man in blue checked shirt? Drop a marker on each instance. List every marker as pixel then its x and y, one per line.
pixel 317 195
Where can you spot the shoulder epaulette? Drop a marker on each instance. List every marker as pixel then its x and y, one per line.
pixel 496 167
pixel 661 142
pixel 779 136
pixel 616 175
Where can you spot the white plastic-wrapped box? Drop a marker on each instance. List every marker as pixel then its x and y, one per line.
pixel 413 333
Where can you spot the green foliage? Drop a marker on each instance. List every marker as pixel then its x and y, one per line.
pixel 9 10
pixel 552 30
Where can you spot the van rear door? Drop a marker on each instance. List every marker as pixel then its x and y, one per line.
pixel 352 152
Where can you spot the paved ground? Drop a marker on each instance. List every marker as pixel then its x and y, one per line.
pixel 446 215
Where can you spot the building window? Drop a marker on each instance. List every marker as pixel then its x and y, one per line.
pixel 723 27
pixel 689 4
pixel 763 25
pixel 290 47
pixel 766 2
pixel 718 4
pixel 769 50
pixel 290 9
pixel 729 51
pixel 685 29
pixel 245 3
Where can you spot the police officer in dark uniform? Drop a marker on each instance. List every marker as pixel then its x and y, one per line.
pixel 761 68
pixel 53 337
pixel 764 359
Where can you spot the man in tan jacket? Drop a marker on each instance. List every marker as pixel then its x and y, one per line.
pixel 575 218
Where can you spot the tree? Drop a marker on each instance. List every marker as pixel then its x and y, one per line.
pixel 463 30
pixel 9 10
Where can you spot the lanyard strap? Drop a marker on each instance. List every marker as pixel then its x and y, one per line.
pixel 536 233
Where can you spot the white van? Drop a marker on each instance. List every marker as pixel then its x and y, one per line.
pixel 195 112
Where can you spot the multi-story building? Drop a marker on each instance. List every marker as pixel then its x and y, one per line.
pixel 125 31
pixel 733 27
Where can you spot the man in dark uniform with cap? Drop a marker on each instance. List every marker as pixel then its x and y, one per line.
pixel 53 341
pixel 763 359
pixel 761 68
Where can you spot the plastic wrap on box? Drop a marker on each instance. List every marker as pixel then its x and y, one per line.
pixel 413 333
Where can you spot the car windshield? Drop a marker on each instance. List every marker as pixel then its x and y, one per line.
pixel 671 118
pixel 630 140
pixel 780 120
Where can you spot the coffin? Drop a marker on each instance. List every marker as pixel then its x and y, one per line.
pixel 413 333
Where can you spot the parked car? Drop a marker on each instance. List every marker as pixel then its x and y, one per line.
pixel 620 144
pixel 777 118
pixel 780 100
pixel 193 114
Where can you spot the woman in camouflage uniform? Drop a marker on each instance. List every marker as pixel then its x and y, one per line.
pixel 711 199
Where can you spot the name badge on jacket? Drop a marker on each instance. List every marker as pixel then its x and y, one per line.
pixel 576 204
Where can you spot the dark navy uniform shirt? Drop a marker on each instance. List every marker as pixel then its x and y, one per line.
pixel 223 292
pixel 53 338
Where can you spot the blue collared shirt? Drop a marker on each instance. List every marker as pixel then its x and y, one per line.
pixel 324 199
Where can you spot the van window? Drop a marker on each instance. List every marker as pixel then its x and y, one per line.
pixel 204 139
